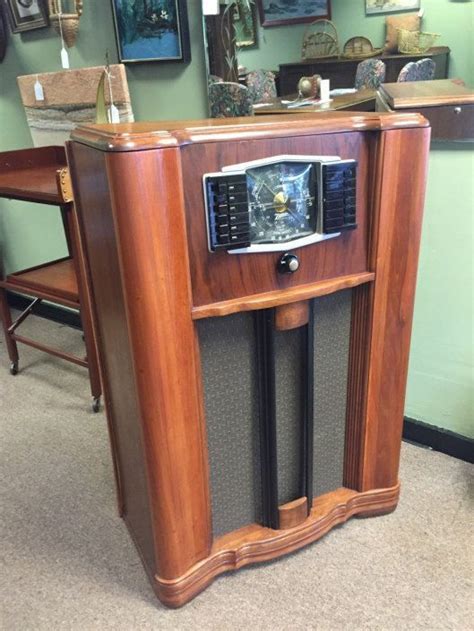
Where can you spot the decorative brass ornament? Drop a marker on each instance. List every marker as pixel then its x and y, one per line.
pixel 309 86
pixel 65 24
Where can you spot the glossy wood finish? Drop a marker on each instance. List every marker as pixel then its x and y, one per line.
pixel 41 175
pixel 292 513
pixel 360 101
pixel 30 174
pixel 141 136
pixel 341 72
pixel 103 269
pixel 281 296
pixel 361 322
pixel 218 277
pixel 140 202
pixel 172 427
pixel 255 544
pixel 56 280
pixel 448 106
pixel 410 94
pixel 291 315
pixel 399 190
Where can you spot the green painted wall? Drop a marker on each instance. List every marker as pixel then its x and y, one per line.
pixel 440 388
pixel 31 234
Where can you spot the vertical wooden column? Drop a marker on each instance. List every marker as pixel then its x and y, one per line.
pixel 397 215
pixel 148 213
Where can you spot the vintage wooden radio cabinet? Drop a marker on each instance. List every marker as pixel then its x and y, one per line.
pixel 253 284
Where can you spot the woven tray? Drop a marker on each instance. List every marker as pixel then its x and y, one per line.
pixel 360 47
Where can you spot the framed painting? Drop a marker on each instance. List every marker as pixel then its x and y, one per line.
pixel 151 30
pixel 245 24
pixel 374 7
pixel 26 15
pixel 277 13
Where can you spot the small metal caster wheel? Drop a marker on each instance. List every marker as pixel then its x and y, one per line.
pixel 96 404
pixel 13 368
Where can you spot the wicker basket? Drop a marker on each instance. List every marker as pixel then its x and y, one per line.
pixel 320 41
pixel 413 42
pixel 360 48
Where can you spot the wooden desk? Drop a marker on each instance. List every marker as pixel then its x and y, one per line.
pixel 447 104
pixel 361 101
pixel 341 72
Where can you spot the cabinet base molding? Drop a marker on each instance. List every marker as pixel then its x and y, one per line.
pixel 255 544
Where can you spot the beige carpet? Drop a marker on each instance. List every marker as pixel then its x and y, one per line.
pixel 68 562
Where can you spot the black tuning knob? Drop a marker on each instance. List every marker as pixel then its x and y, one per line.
pixel 288 263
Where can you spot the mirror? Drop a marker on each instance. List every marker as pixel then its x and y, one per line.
pixel 236 42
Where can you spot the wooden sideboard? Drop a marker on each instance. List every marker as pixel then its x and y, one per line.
pixel 341 72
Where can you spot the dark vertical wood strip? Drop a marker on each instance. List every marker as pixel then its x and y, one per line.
pixel 265 320
pixel 308 418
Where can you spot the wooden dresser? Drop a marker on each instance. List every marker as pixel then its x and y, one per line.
pixel 447 104
pixel 341 72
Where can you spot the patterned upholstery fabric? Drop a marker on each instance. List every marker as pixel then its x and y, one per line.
pixel 213 78
pixel 227 99
pixel 261 85
pixel 423 70
pixel 370 74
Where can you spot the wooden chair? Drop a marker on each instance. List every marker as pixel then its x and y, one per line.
pixel 41 175
pixel 422 70
pixel 261 85
pixel 227 99
pixel 370 73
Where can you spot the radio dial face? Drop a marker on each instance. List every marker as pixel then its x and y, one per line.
pixel 282 204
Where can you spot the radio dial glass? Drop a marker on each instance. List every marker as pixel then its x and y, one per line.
pixel 282 202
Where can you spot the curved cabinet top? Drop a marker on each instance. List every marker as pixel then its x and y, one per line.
pixel 153 135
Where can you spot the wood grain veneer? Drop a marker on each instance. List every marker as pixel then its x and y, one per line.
pixel 255 544
pixel 140 200
pixel 410 94
pixel 217 277
pixel 282 296
pixel 292 315
pixel 292 513
pixel 153 135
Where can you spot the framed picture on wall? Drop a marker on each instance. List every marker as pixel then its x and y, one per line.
pixel 373 7
pixel 26 15
pixel 245 24
pixel 151 30
pixel 277 13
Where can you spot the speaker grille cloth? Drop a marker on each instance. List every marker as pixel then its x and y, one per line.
pixel 229 368
pixel 332 324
